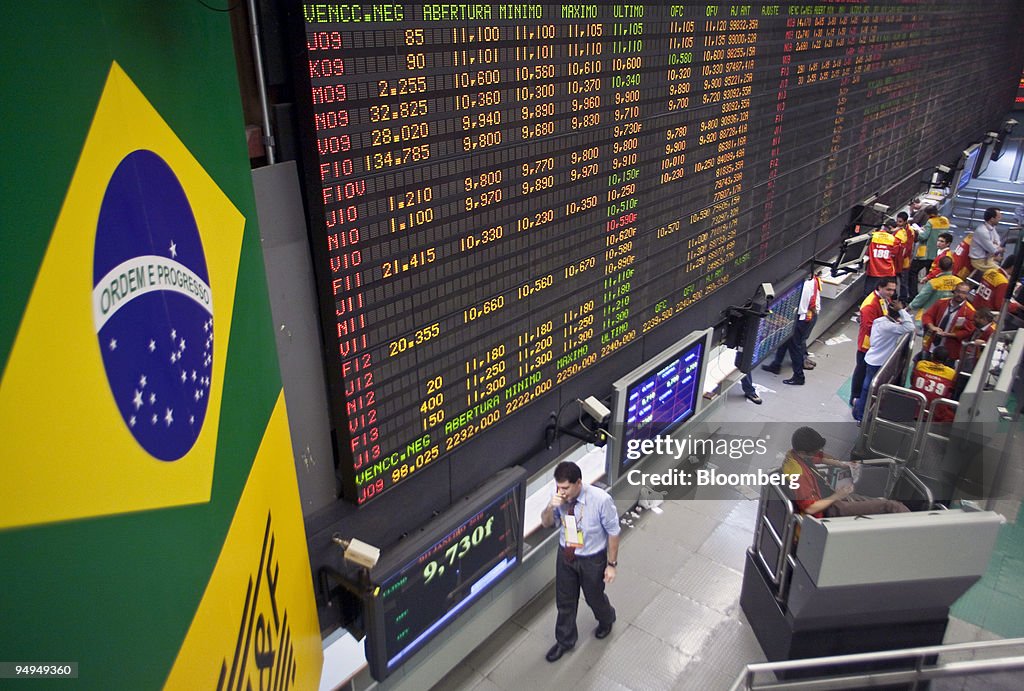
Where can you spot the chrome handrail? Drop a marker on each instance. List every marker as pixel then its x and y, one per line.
pixel 923 669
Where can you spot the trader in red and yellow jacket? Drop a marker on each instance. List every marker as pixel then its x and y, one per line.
pixel 991 292
pixel 934 378
pixel 874 306
pixel 962 257
pixel 942 250
pixel 949 321
pixel 984 325
pixel 885 257
pixel 906 235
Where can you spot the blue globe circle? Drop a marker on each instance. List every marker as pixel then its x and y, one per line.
pixel 152 285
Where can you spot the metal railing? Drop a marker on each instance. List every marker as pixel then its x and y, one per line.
pixel 898 410
pixel 892 371
pixel 922 665
pixel 774 535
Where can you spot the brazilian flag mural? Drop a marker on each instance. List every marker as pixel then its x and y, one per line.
pixel 150 526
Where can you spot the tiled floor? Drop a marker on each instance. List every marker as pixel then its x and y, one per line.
pixel 677 592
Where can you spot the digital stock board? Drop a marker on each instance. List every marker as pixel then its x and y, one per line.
pixel 447 567
pixel 501 196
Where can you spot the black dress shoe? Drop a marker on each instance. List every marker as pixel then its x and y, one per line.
pixel 603 631
pixel 774 369
pixel 794 381
pixel 556 652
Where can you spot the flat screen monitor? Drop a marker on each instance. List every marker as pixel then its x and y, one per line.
pixel 658 397
pixel 968 162
pixel 770 330
pixel 433 577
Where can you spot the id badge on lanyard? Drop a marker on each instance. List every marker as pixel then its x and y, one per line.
pixel 573 532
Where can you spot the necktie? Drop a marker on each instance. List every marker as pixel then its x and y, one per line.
pixel 950 311
pixel 570 550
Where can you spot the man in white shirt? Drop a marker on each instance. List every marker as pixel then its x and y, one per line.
pixel 986 244
pixel 796 345
pixel 885 336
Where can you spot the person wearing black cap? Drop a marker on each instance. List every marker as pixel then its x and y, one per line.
pixel 813 494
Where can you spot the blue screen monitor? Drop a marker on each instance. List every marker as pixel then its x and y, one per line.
pixel 658 397
pixel 775 327
pixel 969 161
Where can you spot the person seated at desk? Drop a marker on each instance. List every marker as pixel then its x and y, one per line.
pixel 813 495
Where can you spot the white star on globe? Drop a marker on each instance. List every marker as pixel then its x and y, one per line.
pixel 131 421
pixel 168 417
pixel 137 401
pixel 153 420
pixel 113 344
pixel 142 381
pixel 174 250
pixel 152 345
pixel 183 376
pixel 152 398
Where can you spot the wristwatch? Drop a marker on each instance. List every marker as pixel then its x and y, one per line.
pixel 613 564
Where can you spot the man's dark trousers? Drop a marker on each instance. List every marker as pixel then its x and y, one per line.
pixel 796 346
pixel 586 573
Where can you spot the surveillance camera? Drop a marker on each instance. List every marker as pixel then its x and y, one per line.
pixel 358 552
pixel 880 208
pixel 769 291
pixel 942 169
pixel 595 409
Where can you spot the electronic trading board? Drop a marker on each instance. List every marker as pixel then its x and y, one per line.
pixel 434 576
pixel 502 195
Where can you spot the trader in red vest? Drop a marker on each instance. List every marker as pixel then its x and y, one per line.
pixel 934 378
pixel 991 292
pixel 949 321
pixel 942 244
pixel 984 325
pixel 883 252
pixel 873 307
pixel 962 257
pixel 906 234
